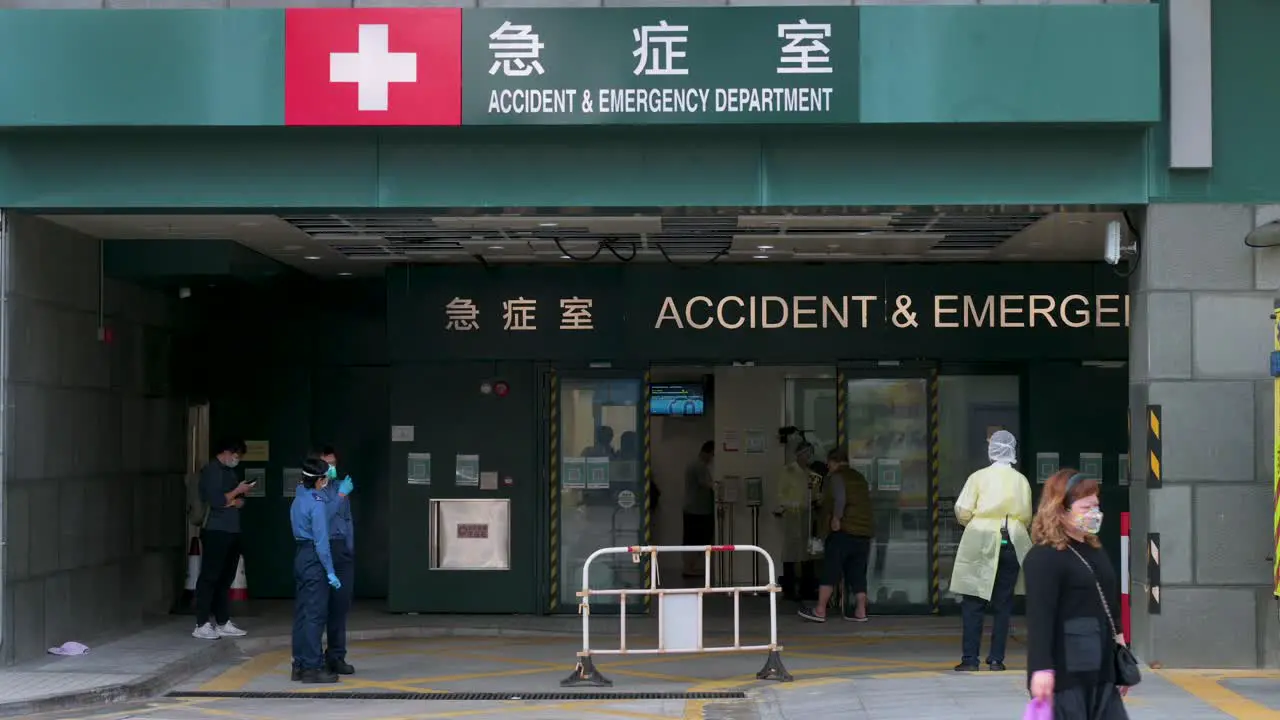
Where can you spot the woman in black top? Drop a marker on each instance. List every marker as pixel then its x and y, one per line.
pixel 1070 645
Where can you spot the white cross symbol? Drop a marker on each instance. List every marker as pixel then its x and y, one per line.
pixel 373 68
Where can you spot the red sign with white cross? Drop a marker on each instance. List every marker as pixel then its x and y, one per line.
pixel 399 66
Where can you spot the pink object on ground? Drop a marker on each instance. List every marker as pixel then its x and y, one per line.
pixel 1038 710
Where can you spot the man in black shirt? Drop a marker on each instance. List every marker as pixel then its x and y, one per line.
pixel 222 494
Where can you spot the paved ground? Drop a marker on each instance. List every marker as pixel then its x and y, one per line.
pixel 889 669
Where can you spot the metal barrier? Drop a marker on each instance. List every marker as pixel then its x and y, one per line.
pixel 677 631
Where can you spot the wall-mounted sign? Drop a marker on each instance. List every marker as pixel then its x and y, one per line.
pixel 419 468
pixel 813 312
pixel 401 433
pixel 473 531
pixel 587 311
pixel 257 476
pixel 290 479
pixel 466 471
pixel 675 65
pixel 573 473
pixel 1046 466
pixel 597 473
pixel 256 451
pixel 1091 465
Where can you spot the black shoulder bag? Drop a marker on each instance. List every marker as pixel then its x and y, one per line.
pixel 1127 673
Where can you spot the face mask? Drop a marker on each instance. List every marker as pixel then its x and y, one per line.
pixel 1089 521
pixel 331 473
pixel 233 462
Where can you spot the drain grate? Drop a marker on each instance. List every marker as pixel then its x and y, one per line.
pixel 463 696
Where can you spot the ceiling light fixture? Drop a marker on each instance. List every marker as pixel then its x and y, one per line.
pixel 765 247
pixel 495 247
pixel 565 257
pixel 761 257
pixel 344 274
pixel 548 224
pixel 313 257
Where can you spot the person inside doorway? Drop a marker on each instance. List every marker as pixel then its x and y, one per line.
pixel 794 513
pixel 342 549
pixel 629 451
pixel 222 494
pixel 995 509
pixel 699 508
pixel 313 572
pixel 849 527
pixel 604 444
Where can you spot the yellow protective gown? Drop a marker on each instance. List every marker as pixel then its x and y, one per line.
pixel 793 502
pixel 989 496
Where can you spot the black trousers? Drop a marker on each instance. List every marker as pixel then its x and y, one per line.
pixel 344 567
pixel 845 556
pixel 1090 702
pixel 219 556
pixel 1001 604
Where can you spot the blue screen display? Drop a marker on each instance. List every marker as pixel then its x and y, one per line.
pixel 677 399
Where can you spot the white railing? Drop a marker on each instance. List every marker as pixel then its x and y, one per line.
pixel 680 612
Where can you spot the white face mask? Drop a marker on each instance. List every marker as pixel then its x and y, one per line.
pixel 233 462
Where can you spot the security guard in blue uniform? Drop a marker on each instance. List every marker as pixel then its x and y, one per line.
pixel 342 548
pixel 312 569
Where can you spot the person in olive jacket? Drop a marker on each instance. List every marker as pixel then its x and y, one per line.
pixel 849 526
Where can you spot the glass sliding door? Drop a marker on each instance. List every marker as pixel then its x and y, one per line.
pixel 887 430
pixel 601 497
pixel 970 409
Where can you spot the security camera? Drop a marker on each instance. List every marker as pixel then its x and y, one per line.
pixel 1116 249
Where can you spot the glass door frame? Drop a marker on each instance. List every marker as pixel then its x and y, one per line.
pixel 553 376
pixel 927 371
pixel 1019 370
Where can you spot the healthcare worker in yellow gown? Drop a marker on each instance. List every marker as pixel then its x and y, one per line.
pixel 794 514
pixel 995 509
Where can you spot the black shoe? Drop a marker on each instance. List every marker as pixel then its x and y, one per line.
pixel 811 615
pixel 340 667
pixel 995 666
pixel 967 667
pixel 314 677
pixel 296 674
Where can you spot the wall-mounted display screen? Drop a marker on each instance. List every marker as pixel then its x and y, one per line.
pixel 687 399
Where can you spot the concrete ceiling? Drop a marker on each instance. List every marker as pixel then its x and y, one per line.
pixel 364 243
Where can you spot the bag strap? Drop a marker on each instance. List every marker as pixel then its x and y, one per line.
pixel 1106 607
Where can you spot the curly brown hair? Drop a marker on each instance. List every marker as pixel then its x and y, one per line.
pixel 1047 528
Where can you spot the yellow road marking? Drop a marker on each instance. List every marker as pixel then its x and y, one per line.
pixel 1207 688
pixel 502 710
pixel 244 673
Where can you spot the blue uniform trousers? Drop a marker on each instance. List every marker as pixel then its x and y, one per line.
pixel 310 606
pixel 344 567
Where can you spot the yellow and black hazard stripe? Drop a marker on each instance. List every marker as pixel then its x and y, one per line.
pixel 1153 573
pixel 1155 450
pixel 553 451
pixel 935 498
pixel 648 486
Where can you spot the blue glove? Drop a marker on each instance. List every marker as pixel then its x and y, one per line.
pixel 346 486
pixel 335 582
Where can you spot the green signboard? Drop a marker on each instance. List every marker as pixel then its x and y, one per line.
pixel 660 65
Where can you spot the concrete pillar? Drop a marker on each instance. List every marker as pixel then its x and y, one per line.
pixel 1200 339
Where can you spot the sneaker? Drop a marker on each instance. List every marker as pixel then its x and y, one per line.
pixel 296 673
pixel 811 615
pixel 854 618
pixel 967 667
pixel 205 632
pixel 230 630
pixel 995 666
